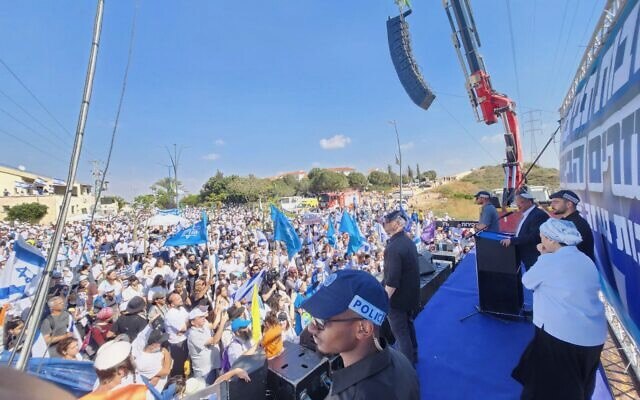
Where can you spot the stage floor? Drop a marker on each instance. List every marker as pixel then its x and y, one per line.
pixel 472 359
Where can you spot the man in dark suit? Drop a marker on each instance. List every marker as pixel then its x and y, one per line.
pixel 528 233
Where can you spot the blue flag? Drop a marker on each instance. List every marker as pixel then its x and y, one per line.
pixel 20 276
pixel 349 225
pixel 284 231
pixel 170 211
pixel 331 233
pixel 194 234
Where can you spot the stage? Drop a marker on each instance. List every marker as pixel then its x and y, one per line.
pixel 472 359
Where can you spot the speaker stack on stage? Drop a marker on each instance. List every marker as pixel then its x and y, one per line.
pixel 499 282
pixel 235 388
pixel 298 373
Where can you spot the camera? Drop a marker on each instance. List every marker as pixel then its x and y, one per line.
pixel 271 276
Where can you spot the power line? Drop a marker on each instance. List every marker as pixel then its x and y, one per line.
pixel 17 78
pixel 29 128
pixel 30 115
pixel 467 132
pixel 32 146
pixel 513 50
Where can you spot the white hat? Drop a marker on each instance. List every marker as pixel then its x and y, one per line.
pixel 196 312
pixel 526 195
pixel 111 354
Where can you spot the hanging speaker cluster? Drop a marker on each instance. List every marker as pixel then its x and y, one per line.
pixel 403 61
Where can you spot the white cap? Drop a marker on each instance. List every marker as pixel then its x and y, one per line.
pixel 197 312
pixel 194 385
pixel 526 195
pixel 111 354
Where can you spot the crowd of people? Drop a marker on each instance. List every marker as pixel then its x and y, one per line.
pixel 184 312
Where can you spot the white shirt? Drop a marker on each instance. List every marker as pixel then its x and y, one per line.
pixel 525 214
pixel 565 288
pixel 175 323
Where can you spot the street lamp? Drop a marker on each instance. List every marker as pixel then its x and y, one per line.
pixel 399 158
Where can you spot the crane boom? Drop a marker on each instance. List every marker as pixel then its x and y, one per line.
pixel 492 105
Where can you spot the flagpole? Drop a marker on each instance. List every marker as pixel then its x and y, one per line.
pixel 35 313
pixel 395 127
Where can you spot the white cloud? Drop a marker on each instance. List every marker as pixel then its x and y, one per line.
pixel 219 142
pixel 335 142
pixel 211 156
pixel 315 164
pixel 407 146
pixel 493 139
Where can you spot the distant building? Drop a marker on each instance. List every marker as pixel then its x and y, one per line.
pixel 342 170
pixel 296 174
pixel 19 187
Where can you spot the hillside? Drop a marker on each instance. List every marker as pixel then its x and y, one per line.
pixel 492 177
pixel 456 198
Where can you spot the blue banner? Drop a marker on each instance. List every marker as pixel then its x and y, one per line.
pixel 192 235
pixel 331 233
pixel 599 161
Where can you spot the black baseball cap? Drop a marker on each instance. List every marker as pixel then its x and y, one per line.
pixel 482 193
pixel 567 195
pixel 394 215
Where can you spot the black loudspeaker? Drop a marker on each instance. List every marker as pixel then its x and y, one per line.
pixel 425 263
pixel 404 63
pixel 256 367
pixel 298 374
pixel 499 284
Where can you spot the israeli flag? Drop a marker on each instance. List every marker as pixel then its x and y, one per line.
pixel 20 276
pixel 260 236
pixel 246 288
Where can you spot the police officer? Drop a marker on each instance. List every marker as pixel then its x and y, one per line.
pixel 563 204
pixel 347 313
pixel 402 283
pixel 488 220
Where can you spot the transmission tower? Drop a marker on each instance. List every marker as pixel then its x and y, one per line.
pixel 533 127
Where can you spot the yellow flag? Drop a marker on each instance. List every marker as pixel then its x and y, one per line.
pixel 256 326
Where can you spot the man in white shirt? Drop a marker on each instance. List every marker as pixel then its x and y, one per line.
pixel 175 322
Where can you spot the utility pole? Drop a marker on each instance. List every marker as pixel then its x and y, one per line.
pixel 398 157
pixel 533 128
pixel 175 162
pixel 96 172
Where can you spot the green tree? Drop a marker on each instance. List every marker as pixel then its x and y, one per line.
pixel 389 169
pixel 144 201
pixel 357 180
pixel 190 200
pixel 379 178
pixel 314 172
pixel 117 199
pixel 165 191
pixel 418 171
pixel 409 173
pixel 302 188
pixel 328 181
pixel 430 175
pixel 26 212
pixel 215 189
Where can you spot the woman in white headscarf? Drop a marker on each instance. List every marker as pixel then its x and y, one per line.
pixel 561 360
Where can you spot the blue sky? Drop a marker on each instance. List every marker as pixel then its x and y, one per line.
pixel 255 86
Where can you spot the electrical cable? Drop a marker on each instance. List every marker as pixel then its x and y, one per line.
pixel 115 125
pixel 31 115
pixel 33 146
pixel 466 131
pixel 513 50
pixel 16 119
pixel 17 78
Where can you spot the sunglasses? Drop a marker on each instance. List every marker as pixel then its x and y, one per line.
pixel 321 324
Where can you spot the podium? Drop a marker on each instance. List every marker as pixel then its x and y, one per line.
pixel 499 283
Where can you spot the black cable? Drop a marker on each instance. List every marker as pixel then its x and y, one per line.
pixel 17 78
pixel 16 119
pixel 33 146
pixel 115 126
